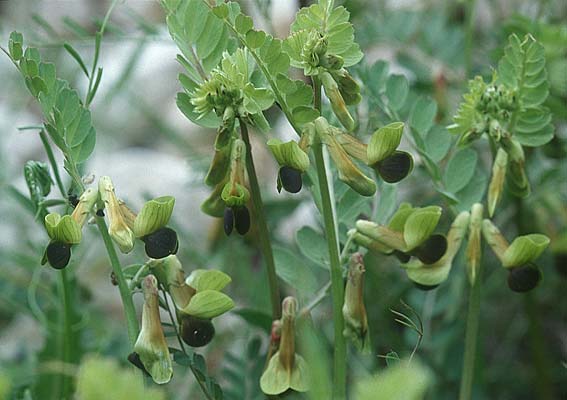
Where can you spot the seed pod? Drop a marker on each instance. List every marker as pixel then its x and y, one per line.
pixel 290 179
pixel 161 243
pixel 524 278
pixel 395 167
pixel 432 249
pixel 242 220
pixel 196 332
pixel 228 220
pixel 58 254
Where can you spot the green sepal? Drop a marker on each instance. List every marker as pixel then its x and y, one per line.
pixel 384 142
pixel 524 249
pixel 214 204
pixel 473 254
pixel 289 154
pixel 349 173
pixel 208 304
pixel 220 163
pixel 383 234
pixel 63 229
pixel 276 379
pixel 235 195
pixel 354 310
pixel 155 214
pixel 337 102
pixel 437 273
pixel 84 208
pixel 208 279
pixel 369 243
pixel 496 186
pixel 151 345
pixel 420 225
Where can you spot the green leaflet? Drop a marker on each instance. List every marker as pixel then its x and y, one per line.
pixel 523 68
pixel 334 25
pixel 67 121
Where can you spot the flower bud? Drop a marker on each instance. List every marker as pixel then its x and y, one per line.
pixel 369 243
pixel 196 332
pixel 84 206
pixel 429 276
pixel 395 167
pixel 523 250
pixel 161 243
pixel 289 154
pixel 118 229
pixel 223 146
pixel 384 142
pixel 354 311
pixel 151 346
pixel 337 102
pixel 354 147
pixel 349 88
pixel 497 181
pixel 58 254
pixel 349 173
pixel 155 214
pixel 383 234
pixel 419 225
pixel 286 369
pixel 63 229
pixel 474 247
pixel 517 179
pixel 293 161
pixel 331 62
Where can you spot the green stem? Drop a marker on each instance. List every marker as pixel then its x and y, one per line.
pixel 263 233
pixel 337 285
pixel 53 163
pixel 67 338
pixel 129 310
pixel 471 339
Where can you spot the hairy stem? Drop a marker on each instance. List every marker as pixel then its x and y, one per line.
pixel 129 310
pixel 263 233
pixel 471 337
pixel 337 285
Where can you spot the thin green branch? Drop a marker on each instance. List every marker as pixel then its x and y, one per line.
pixel 129 310
pixel 471 336
pixel 337 286
pixel 263 232
pixel 66 315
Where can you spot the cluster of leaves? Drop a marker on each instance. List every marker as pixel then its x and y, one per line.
pixel 67 120
pixel 525 87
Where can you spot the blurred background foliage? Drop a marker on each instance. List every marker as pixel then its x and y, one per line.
pixel 415 56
